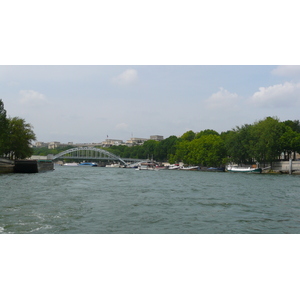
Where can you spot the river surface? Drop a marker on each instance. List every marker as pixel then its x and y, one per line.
pixel 81 200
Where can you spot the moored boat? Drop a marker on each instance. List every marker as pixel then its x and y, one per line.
pixel 70 165
pixel 88 164
pixel 173 167
pixel 113 166
pixel 147 166
pixel 244 169
pixel 161 168
pixel 189 168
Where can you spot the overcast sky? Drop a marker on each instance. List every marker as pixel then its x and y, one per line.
pixel 89 103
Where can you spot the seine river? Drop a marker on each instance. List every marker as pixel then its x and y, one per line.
pixel 81 200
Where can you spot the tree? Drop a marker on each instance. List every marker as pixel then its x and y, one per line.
pixel 239 144
pixel 3 128
pixel 266 136
pixel 205 132
pixel 296 144
pixel 188 136
pixel 295 125
pixel 182 151
pixel 208 150
pixel 150 148
pixel 290 138
pixel 288 142
pixel 20 137
pixel 166 148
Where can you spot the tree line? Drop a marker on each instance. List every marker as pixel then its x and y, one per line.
pixel 263 142
pixel 15 136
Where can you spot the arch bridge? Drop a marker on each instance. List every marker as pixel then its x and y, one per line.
pixel 91 153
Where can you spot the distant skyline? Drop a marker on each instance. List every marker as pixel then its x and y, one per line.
pixel 88 103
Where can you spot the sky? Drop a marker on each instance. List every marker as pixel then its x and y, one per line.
pixel 88 103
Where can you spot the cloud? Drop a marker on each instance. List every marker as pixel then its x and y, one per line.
pixel 32 98
pixel 287 71
pixel 223 99
pixel 279 95
pixel 127 77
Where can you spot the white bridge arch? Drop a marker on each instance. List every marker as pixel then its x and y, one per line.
pixel 88 153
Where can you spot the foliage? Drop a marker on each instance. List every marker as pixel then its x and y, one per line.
pixel 166 148
pixel 262 142
pixel 239 144
pixel 3 128
pixel 158 150
pixel 205 132
pixel 188 136
pixel 20 137
pixel 15 136
pixel 208 150
pixel 44 151
pixel 294 125
pixel 182 151
pixel 266 138
pixel 290 142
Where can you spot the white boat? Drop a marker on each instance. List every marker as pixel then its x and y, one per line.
pixel 190 168
pixel 113 166
pixel 173 167
pixel 243 169
pixel 147 166
pixel 70 165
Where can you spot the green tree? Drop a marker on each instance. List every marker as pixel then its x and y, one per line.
pixel 267 136
pixel 287 141
pixel 290 138
pixel 150 149
pixel 208 150
pixel 20 137
pixel 44 151
pixel 294 125
pixel 182 151
pixel 3 129
pixel 166 148
pixel 188 136
pixel 296 144
pixel 206 132
pixel 239 144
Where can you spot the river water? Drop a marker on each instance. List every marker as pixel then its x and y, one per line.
pixel 81 200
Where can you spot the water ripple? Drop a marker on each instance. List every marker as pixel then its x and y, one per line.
pixel 102 200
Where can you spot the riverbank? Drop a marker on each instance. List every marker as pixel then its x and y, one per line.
pixel 26 166
pixel 5 168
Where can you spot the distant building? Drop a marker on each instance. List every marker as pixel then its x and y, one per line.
pixel 112 142
pixel 156 137
pixel 40 144
pixel 136 141
pixel 53 145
